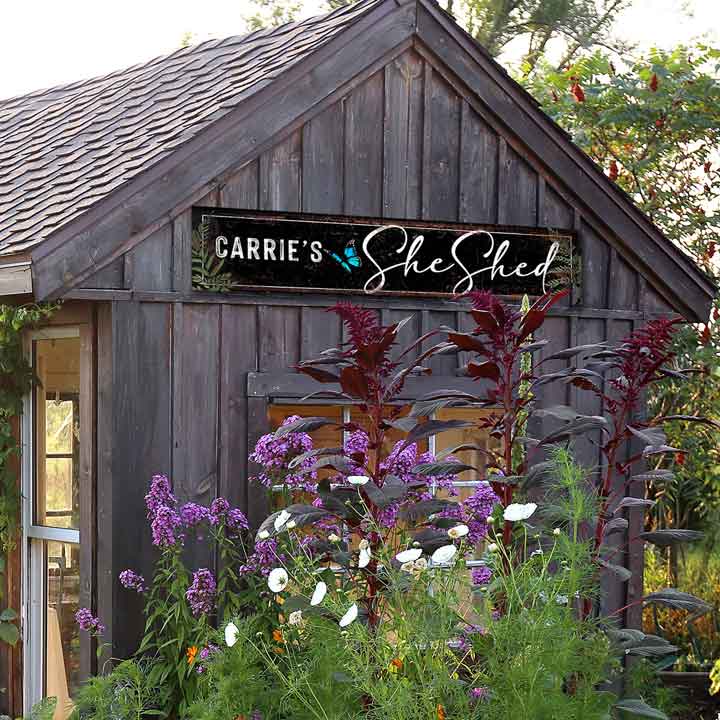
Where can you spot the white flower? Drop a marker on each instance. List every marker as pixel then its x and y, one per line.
pixel 364 559
pixel 556 532
pixel 561 599
pixel 536 552
pixel 277 580
pixel 349 616
pixel 332 537
pixel 291 525
pixel 490 520
pixel 231 634
pixel 458 531
pixel 319 594
pixel 295 617
pixel 358 479
pixel 408 566
pixel 409 555
pixel 281 519
pixel 443 555
pixel 263 535
pixel 518 511
pixel 492 547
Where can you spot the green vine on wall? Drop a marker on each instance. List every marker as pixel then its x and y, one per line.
pixel 16 379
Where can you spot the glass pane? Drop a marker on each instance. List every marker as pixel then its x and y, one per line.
pixel 57 432
pixel 62 637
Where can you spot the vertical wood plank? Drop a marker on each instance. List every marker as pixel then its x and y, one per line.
pixel 622 284
pixel 403 127
pixel 103 473
pixel 320 331
pixel 141 435
pixel 478 169
pixel 595 255
pixel 521 203
pixel 182 252
pixel 443 155
pixel 279 329
pixel 503 181
pixel 195 412
pixel 241 190
pixel 109 277
pixel 322 161
pixel 364 148
pixel 280 175
pixel 152 261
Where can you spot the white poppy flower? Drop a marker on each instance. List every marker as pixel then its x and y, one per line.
pixel 295 618
pixel 358 479
pixel 349 616
pixel 443 555
pixel 277 580
pixel 231 634
pixel 556 531
pixel 281 519
pixel 263 535
pixel 291 524
pixel 518 511
pixel 409 555
pixel 319 594
pixel 458 531
pixel 365 554
pixel 492 547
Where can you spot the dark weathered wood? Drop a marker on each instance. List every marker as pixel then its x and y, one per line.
pixel 238 356
pixel 595 257
pixel 152 261
pixel 622 283
pixel 478 169
pixel 322 157
pixel 258 423
pixel 241 189
pixel 403 137
pixel 280 175
pixel 196 344
pixel 141 436
pixel 279 336
pixel 521 188
pixel 182 252
pixel 104 471
pixel 320 330
pixel 110 276
pixel 442 156
pixel 363 161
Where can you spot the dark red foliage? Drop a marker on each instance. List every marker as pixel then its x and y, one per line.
pixel 654 83
pixel 363 324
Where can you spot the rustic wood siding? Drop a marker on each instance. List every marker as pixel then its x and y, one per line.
pixel 403 143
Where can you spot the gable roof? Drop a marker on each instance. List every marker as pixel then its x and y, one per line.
pixel 63 149
pixel 90 169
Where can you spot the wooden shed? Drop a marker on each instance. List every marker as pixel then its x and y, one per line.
pixel 383 112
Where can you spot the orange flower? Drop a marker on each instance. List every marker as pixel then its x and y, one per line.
pixel 440 712
pixel 278 635
pixel 191 652
pixel 397 663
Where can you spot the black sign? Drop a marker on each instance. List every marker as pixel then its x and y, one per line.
pixel 261 251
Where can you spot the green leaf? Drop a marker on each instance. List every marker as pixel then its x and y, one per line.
pixel 640 709
pixel 8 615
pixel 9 633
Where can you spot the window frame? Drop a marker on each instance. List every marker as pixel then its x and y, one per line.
pixel 35 537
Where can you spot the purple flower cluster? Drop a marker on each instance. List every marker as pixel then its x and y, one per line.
pixel 165 522
pixel 193 514
pixel 275 454
pixel 205 654
pixel 480 693
pixel 264 559
pixel 481 575
pixel 87 622
pixel 130 580
pixel 474 512
pixel 201 593
pixel 464 641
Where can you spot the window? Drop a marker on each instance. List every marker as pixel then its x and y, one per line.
pixel 52 519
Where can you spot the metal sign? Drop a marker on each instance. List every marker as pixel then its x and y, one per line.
pixel 243 250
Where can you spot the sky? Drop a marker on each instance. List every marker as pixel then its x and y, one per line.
pixel 51 42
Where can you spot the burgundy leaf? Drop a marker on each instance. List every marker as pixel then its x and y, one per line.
pixel 320 375
pixel 467 342
pixel 354 383
pixel 488 370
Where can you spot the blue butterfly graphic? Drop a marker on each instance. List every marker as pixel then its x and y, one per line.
pixel 351 259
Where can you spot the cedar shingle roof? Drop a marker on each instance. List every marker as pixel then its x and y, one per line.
pixel 63 149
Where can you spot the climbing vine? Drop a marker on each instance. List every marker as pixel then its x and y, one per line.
pixel 16 379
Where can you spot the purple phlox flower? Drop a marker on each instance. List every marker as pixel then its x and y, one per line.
pixel 87 622
pixel 479 693
pixel 481 575
pixel 275 454
pixel 317 502
pixel 477 509
pixel 218 510
pixel 236 521
pixel 357 444
pixel 201 593
pixel 165 526
pixel 208 651
pixel 193 514
pixel 130 580
pixel 264 559
pixel 256 715
pixel 160 495
pixel 441 482
pixel 467 632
